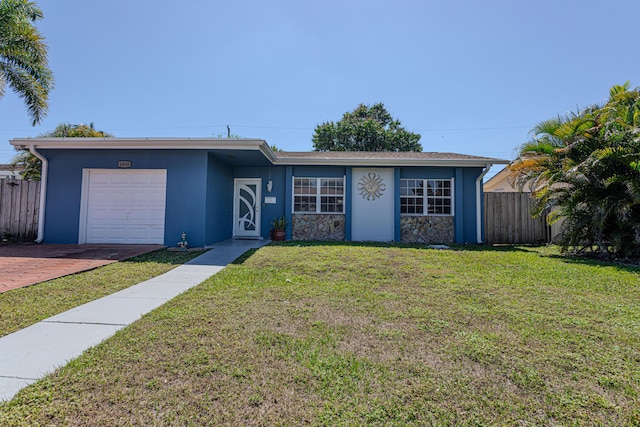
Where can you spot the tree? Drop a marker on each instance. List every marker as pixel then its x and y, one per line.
pixel 227 136
pixel 585 168
pixel 31 166
pixel 66 130
pixel 365 129
pixel 23 56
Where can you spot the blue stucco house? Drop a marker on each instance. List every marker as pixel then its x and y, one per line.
pixel 150 190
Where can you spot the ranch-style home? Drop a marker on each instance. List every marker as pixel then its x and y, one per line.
pixel 151 190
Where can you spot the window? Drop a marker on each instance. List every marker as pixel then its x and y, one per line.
pixel 426 196
pixel 412 196
pixel 318 195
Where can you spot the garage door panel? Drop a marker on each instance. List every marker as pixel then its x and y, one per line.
pixel 96 233
pixel 106 214
pixel 109 198
pixel 98 178
pixel 148 180
pixel 144 222
pixel 125 206
pixel 146 198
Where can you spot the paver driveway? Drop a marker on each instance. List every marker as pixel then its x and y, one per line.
pixel 24 264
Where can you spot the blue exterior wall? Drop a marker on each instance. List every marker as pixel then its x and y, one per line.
pixel 458 194
pixel 319 171
pixel 347 203
pixel 426 173
pixel 397 231
pixel 219 217
pixel 288 201
pixel 200 194
pixel 469 202
pixel 186 195
pixel 186 189
pixel 62 208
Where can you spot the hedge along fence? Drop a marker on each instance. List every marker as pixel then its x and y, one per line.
pixel 19 207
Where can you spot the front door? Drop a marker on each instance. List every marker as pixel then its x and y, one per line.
pixel 246 207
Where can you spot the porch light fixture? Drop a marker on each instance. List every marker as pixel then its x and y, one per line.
pixel 269 182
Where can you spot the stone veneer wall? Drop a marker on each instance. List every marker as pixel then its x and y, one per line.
pixel 317 226
pixel 426 229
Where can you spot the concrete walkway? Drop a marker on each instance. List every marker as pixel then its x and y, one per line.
pixel 31 353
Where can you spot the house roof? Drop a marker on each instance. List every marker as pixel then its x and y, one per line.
pixel 352 158
pixel 11 168
pixel 395 158
pixel 8 171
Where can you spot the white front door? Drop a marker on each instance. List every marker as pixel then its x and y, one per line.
pixel 246 207
pixel 372 216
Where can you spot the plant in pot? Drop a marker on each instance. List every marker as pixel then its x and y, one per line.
pixel 278 225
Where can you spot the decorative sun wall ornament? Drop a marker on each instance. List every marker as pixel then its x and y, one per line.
pixel 371 186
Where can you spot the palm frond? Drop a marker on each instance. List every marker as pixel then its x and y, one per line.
pixel 23 56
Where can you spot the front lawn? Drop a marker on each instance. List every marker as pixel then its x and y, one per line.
pixel 343 334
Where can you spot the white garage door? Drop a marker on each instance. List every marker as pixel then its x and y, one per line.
pixel 123 206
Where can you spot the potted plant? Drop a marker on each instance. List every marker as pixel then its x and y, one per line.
pixel 278 225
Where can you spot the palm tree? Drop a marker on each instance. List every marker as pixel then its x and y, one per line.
pixel 67 130
pixel 585 168
pixel 23 56
pixel 543 160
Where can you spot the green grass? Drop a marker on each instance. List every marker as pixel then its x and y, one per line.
pixel 341 334
pixel 23 307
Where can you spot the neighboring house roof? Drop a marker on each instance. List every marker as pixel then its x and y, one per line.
pixel 499 183
pixel 370 158
pixel 9 171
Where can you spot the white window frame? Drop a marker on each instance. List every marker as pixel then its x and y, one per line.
pixel 425 197
pixel 318 195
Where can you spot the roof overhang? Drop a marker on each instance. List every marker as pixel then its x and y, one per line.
pixel 245 144
pixel 354 161
pixel 146 144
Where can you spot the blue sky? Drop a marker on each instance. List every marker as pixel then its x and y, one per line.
pixel 471 77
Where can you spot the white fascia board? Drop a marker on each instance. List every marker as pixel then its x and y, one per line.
pixel 145 143
pixel 265 149
pixel 389 162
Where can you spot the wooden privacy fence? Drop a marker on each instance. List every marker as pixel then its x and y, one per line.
pixel 19 200
pixel 508 220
